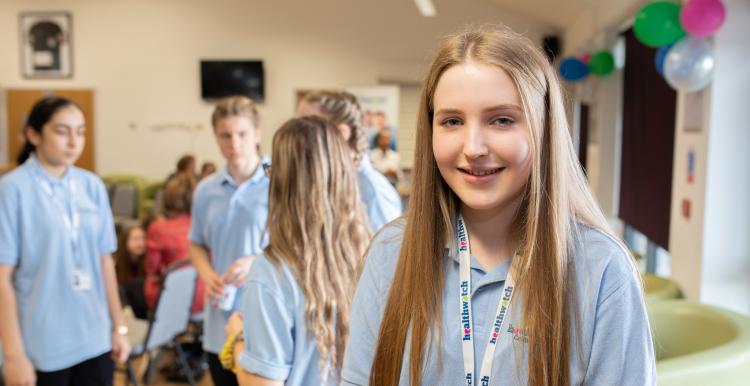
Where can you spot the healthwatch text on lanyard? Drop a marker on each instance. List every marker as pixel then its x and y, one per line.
pixel 466 313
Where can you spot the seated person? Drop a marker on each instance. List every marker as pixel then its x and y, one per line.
pixel 384 159
pixel 168 239
pixel 208 168
pixel 185 165
pixel 130 266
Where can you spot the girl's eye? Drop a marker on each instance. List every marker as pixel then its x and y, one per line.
pixel 450 122
pixel 503 121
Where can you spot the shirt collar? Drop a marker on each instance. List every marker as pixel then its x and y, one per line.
pixel 365 163
pixel 39 171
pixel 495 275
pixel 259 174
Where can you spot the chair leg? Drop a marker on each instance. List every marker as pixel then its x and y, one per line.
pixel 182 360
pixel 131 377
pixel 153 363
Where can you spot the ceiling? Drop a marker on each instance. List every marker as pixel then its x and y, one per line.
pixel 558 13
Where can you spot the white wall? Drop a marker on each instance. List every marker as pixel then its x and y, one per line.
pixel 726 229
pixel 686 236
pixel 141 58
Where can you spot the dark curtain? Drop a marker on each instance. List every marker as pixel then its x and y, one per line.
pixel 583 136
pixel 647 144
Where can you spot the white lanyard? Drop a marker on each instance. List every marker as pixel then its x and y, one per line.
pixel 467 324
pixel 72 221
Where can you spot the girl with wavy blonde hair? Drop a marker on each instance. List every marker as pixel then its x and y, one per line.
pixel 504 271
pixel 297 296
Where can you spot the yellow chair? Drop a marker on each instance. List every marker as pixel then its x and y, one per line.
pixel 138 182
pixel 659 288
pixel 699 345
pixel 132 179
pixel 149 202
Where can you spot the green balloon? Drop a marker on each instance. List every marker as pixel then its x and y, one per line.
pixel 601 63
pixel 658 24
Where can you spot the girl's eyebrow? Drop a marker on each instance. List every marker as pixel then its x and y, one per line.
pixel 505 107
pixel 448 112
pixel 66 127
pixel 501 107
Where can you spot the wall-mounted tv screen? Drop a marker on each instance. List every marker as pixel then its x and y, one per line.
pixel 220 78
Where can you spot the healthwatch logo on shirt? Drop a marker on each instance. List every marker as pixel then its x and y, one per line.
pixel 465 310
pixel 518 331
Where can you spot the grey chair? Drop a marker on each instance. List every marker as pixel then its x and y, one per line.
pixel 170 320
pixel 125 201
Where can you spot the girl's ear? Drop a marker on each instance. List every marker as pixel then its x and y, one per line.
pixel 345 130
pixel 32 136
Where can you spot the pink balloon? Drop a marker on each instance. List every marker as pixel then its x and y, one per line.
pixel 586 58
pixel 701 18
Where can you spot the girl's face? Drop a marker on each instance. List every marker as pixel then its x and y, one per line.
pixel 480 137
pixel 62 138
pixel 136 243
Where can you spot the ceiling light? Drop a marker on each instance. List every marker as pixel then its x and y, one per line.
pixel 426 8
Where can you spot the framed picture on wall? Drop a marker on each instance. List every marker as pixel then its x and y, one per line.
pixel 46 45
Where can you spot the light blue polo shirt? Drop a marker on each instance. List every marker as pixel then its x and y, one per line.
pixel 278 345
pixel 616 345
pixel 60 326
pixel 218 225
pixel 382 201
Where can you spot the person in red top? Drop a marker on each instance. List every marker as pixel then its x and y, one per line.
pixel 167 239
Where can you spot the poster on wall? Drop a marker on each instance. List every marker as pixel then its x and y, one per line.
pixel 46 45
pixel 380 105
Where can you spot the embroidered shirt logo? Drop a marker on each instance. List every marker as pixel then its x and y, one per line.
pixel 518 331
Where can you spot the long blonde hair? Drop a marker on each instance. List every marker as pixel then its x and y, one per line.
pixel 317 226
pixel 342 107
pixel 556 198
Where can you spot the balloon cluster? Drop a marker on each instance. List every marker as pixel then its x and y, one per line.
pixel 685 57
pixel 599 63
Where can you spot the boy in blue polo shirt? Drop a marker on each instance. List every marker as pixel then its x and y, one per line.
pixel 223 245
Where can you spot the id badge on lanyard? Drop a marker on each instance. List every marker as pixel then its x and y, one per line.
pixel 81 279
pixel 467 322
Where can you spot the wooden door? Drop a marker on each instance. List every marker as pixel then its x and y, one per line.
pixel 20 101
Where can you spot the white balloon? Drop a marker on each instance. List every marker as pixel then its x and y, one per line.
pixel 689 65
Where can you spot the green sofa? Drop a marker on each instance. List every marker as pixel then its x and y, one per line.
pixel 659 288
pixel 700 345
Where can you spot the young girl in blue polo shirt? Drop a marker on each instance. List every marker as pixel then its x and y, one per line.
pixel 382 201
pixel 60 316
pixel 297 295
pixel 504 271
